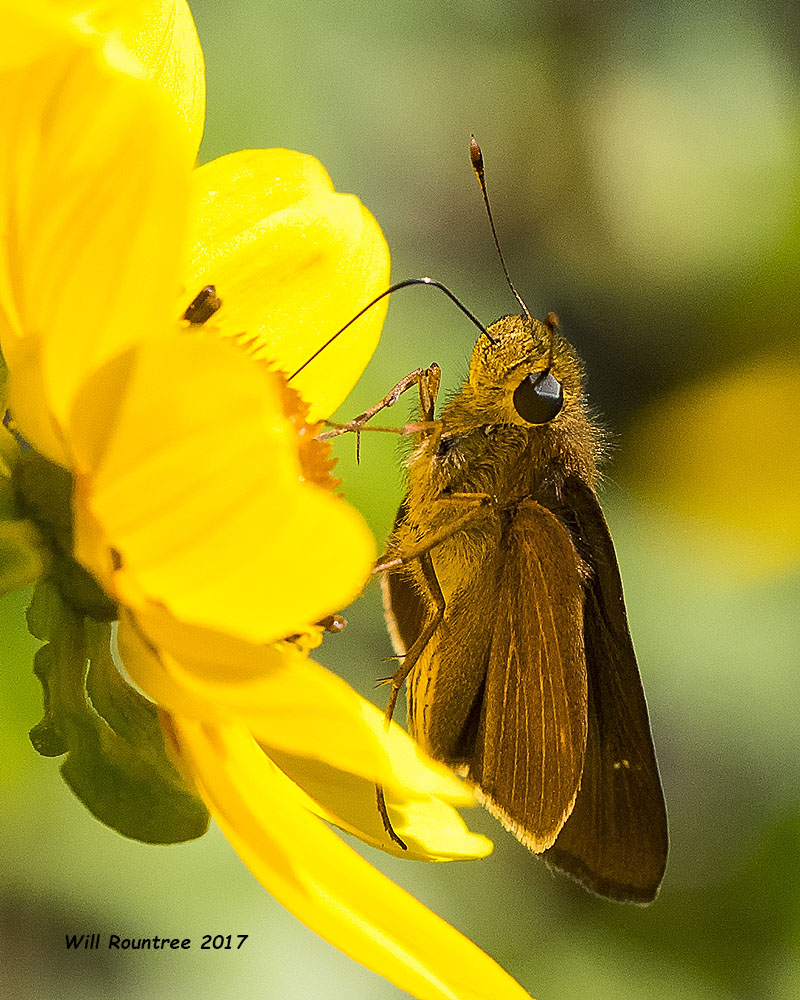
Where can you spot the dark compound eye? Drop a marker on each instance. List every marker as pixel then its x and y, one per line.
pixel 539 397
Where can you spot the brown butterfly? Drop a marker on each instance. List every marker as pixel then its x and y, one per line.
pixel 502 593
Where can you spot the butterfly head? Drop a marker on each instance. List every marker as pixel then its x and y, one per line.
pixel 530 375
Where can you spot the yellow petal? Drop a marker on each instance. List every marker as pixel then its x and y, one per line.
pixel 329 739
pixel 293 262
pixel 307 868
pixel 192 472
pixel 92 215
pixel 430 828
pixel 30 31
pixel 291 704
pixel 162 36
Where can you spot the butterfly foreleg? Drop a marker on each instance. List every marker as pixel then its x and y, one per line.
pixel 427 381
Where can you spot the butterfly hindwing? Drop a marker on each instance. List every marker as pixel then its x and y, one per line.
pixel 615 841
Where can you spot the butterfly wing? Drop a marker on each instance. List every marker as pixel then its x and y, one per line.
pixel 529 749
pixel 615 840
pixel 403 607
pixel 445 689
pixel 552 629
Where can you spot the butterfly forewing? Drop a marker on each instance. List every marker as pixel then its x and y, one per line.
pixel 531 738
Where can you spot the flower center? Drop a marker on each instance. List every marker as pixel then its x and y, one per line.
pixel 316 458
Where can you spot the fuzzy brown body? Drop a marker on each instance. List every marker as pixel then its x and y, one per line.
pixel 505 688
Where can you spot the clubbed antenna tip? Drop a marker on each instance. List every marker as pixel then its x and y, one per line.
pixel 476 158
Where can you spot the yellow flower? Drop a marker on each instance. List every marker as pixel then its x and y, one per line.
pixel 696 452
pixel 194 505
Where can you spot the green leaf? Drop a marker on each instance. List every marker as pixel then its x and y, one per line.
pixel 9 457
pixel 8 504
pixel 125 792
pixel 81 591
pixel 43 493
pixel 46 736
pixel 131 716
pixel 128 713
pixel 45 608
pixel 23 555
pixel 116 760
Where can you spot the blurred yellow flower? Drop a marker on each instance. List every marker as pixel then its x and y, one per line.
pixel 718 457
pixel 195 505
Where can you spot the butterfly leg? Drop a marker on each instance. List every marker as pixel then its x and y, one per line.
pixel 477 502
pixel 427 381
pixel 434 592
pixel 436 597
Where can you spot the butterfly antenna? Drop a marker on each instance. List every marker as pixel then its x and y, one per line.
pixel 476 157
pixel 388 291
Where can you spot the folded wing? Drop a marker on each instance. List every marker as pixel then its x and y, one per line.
pixel 531 736
pixel 615 841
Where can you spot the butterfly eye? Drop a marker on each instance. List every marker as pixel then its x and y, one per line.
pixel 539 397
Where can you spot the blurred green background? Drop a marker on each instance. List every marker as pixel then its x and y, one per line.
pixel 643 165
